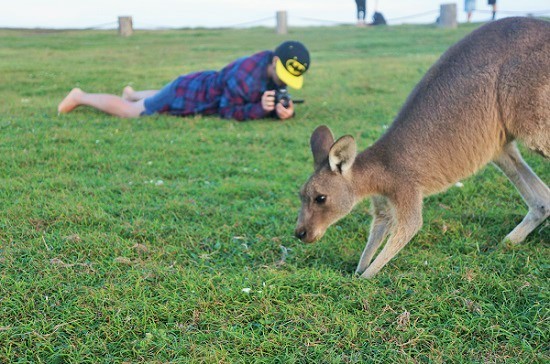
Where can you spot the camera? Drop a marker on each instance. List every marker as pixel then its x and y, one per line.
pixel 282 96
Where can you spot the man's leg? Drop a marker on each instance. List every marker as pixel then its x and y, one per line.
pixel 109 104
pixel 132 95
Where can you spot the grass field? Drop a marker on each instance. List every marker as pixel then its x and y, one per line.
pixel 170 240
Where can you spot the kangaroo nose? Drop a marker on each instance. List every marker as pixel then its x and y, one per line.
pixel 300 233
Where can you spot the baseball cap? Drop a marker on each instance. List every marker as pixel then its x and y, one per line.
pixel 293 62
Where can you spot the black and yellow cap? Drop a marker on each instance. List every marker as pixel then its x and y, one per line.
pixel 293 62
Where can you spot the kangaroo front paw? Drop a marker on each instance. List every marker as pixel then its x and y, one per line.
pixel 368 274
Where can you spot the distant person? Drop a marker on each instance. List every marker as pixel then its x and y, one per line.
pixel 378 19
pixel 493 4
pixel 469 7
pixel 242 90
pixel 361 12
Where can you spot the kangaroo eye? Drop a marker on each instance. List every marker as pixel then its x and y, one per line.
pixel 321 199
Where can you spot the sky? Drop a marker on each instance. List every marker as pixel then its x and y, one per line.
pixel 153 14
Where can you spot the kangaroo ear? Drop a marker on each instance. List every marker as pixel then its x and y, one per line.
pixel 342 154
pixel 321 141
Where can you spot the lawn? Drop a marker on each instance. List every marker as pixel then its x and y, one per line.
pixel 170 240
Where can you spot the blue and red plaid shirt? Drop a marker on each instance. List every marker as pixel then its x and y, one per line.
pixel 234 92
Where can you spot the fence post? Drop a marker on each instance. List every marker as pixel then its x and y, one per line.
pixel 281 22
pixel 125 28
pixel 447 16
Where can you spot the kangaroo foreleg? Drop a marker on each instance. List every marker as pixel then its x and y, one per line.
pixel 408 221
pixel 380 226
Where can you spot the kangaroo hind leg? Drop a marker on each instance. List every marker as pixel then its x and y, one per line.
pixel 532 189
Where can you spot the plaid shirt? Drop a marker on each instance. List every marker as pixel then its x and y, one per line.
pixel 235 92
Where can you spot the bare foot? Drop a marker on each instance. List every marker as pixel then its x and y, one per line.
pixel 128 94
pixel 70 101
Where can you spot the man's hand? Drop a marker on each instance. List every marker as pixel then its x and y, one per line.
pixel 285 112
pixel 268 101
pixel 268 104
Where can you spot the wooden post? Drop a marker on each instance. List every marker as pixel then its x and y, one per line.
pixel 125 28
pixel 447 16
pixel 281 22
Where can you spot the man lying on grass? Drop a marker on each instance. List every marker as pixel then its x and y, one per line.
pixel 243 90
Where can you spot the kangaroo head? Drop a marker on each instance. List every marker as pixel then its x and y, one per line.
pixel 328 194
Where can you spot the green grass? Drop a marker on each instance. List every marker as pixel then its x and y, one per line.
pixel 132 240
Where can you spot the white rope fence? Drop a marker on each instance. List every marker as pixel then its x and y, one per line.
pixel 270 20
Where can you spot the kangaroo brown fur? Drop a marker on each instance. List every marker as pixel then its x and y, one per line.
pixel 486 91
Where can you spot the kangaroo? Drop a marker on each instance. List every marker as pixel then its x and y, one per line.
pixel 484 93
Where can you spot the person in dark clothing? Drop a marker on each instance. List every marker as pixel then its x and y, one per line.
pixel 493 4
pixel 361 11
pixel 243 90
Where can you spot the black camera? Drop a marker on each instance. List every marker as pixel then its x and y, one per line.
pixel 282 96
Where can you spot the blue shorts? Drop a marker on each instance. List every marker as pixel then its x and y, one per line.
pixel 164 100
pixel 194 93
